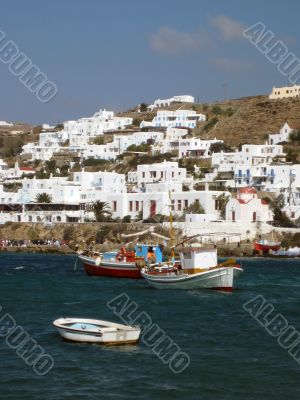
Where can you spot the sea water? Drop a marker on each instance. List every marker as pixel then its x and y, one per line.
pixel 232 356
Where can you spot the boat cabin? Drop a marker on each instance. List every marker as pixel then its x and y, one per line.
pixel 151 253
pixel 198 258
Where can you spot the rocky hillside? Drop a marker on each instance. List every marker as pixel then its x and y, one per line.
pixel 239 121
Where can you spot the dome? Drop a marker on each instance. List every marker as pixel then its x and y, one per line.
pixel 247 190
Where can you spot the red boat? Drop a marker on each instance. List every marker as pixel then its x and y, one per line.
pixel 265 246
pixel 122 264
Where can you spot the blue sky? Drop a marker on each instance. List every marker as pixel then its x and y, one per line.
pixel 119 53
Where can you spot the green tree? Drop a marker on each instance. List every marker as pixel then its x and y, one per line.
pixel 143 147
pixel 143 107
pixel 279 217
pixel 195 208
pixel 219 146
pixel 101 211
pixel 43 198
pixel 222 201
pixel 102 234
pixel 294 136
pixel 292 156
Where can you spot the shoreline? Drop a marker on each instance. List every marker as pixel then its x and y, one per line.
pixel 66 250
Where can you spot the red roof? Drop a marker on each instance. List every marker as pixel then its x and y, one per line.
pixel 248 190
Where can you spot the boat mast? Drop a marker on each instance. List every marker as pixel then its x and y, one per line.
pixel 171 232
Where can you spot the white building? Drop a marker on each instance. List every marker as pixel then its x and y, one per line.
pixel 14 173
pixel 284 92
pixel 247 207
pixel 194 147
pixel 4 123
pixel 177 119
pixel 165 172
pixel 167 102
pixel 49 143
pixel 282 136
pixel 102 121
pixel 251 154
pixel 154 203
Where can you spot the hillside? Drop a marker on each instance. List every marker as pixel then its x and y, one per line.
pixel 239 121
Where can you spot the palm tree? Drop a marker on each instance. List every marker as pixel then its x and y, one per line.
pixel 43 198
pixel 101 210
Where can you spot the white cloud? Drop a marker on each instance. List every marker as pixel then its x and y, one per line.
pixel 232 65
pixel 228 27
pixel 172 42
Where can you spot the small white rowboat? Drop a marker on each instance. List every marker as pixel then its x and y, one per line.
pixel 96 331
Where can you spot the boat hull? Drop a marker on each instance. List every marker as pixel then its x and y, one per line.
pixel 113 335
pixel 266 247
pixel 217 278
pixel 110 268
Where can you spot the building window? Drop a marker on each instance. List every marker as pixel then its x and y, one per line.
pixel 114 206
pixel 137 206
pixel 186 203
pixel 179 205
pixel 130 206
pixel 172 205
pixel 254 217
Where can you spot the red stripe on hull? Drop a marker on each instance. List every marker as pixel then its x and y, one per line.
pixel 223 289
pixel 93 270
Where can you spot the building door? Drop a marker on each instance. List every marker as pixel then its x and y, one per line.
pixel 233 216
pixel 152 208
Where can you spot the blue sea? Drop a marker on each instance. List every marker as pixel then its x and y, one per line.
pixel 231 355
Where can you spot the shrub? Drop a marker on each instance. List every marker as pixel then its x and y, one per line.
pixel 89 162
pixel 217 110
pixel 210 124
pixel 69 232
pixel 127 219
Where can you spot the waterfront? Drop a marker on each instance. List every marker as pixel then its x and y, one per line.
pixel 232 356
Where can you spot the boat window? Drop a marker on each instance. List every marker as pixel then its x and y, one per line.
pixel 187 255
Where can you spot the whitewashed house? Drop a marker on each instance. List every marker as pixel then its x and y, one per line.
pixel 102 121
pixel 49 143
pixel 165 172
pixel 282 136
pixel 195 147
pixel 167 102
pixel 250 154
pixel 179 118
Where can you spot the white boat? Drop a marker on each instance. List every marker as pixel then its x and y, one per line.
pixel 96 331
pixel 198 268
